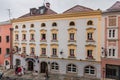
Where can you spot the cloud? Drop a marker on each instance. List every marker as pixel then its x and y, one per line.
pixel 21 7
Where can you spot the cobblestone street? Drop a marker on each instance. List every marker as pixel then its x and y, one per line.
pixel 9 75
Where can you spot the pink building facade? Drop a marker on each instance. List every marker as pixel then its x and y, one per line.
pixel 110 65
pixel 5 44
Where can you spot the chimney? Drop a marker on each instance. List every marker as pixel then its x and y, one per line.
pixel 48 5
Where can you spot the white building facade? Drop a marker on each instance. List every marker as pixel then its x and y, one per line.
pixel 67 43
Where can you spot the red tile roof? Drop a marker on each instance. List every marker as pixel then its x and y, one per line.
pixel 78 8
pixel 114 7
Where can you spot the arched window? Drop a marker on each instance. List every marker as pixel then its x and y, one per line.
pixel 18 62
pixel 90 22
pixel 71 23
pixel 90 70
pixel 43 25
pixel 71 68
pixel 54 66
pixel 16 27
pixel 54 24
pixel 23 26
pixel 16 48
pixel 6 62
pixel 32 25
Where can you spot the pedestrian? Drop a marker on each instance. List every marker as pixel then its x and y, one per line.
pixel 46 71
pixel 22 70
pixel 16 68
pixel 19 71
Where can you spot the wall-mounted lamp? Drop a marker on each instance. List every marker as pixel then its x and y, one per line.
pixel 38 61
pixel 48 62
pixel 61 52
pixel 104 51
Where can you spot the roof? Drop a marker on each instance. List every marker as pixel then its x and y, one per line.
pixel 115 7
pixel 5 23
pixel 78 8
pixel 47 12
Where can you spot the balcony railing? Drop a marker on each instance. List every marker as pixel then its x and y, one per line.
pixel 90 58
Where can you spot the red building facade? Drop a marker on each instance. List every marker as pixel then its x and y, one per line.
pixel 5 44
pixel 110 66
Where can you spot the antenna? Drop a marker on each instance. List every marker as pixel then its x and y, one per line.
pixel 44 2
pixel 9 13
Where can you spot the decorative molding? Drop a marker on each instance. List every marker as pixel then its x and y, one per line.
pixel 57 16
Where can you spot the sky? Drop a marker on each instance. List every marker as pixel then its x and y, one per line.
pixel 21 7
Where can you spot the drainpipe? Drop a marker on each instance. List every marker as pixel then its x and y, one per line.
pixel 11 48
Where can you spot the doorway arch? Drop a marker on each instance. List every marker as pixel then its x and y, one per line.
pixel 44 66
pixel 30 66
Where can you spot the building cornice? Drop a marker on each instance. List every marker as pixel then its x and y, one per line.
pixel 57 16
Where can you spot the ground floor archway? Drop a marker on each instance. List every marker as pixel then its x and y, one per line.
pixel 30 66
pixel 44 67
pixel 7 64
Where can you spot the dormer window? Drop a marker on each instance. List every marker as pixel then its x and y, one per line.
pixel 41 11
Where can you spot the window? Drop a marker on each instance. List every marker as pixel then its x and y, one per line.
pixel 6 62
pixel 109 33
pixel 109 52
pixel 32 36
pixel 43 36
pixel 16 37
pixel 43 25
pixel 24 36
pixel 72 24
pixel 72 52
pixel 113 33
pixel 0 50
pixel 32 25
pixel 72 36
pixel 90 22
pixel 54 24
pixel 0 38
pixel 16 48
pixel 89 36
pixel 90 70
pixel 18 62
pixel 54 36
pixel 7 50
pixel 113 52
pixel 71 68
pixel 24 49
pixel 16 27
pixel 112 20
pixel 89 54
pixel 54 51
pixel 23 26
pixel 32 50
pixel 54 66
pixel 43 51
pixel 7 38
